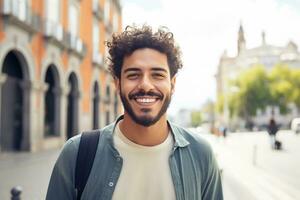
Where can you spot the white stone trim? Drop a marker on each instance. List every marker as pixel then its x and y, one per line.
pixel 17 40
pixel 53 57
pixel 95 78
pixel 74 65
pixel 14 42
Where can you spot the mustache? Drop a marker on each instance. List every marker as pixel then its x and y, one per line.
pixel 143 93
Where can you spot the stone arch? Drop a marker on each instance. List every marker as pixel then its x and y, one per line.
pixel 72 105
pixel 108 100
pixel 52 102
pixel 96 105
pixel 73 67
pixel 52 123
pixel 116 104
pixel 95 99
pixel 53 58
pixel 15 102
pixel 24 55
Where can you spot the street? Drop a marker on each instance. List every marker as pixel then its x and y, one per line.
pixel 251 169
pixel 31 171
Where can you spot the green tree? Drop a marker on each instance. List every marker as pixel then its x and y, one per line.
pixel 252 92
pixel 196 118
pixel 220 104
pixel 256 88
pixel 295 94
pixel 281 87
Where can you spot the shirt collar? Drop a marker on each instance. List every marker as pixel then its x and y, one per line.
pixel 180 141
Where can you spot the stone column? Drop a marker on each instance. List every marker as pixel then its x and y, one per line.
pixel 95 111
pixel 57 98
pixel 83 118
pixel 63 112
pixel 2 80
pixel 37 118
pixel 26 86
pixel 75 95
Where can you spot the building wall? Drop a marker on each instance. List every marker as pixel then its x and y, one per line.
pixel 27 35
pixel 265 54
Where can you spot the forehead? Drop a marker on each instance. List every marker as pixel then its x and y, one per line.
pixel 146 59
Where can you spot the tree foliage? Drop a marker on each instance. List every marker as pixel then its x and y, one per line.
pixel 251 93
pixel 295 95
pixel 220 103
pixel 281 87
pixel 257 88
pixel 196 118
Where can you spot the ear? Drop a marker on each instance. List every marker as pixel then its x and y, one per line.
pixel 173 81
pixel 117 85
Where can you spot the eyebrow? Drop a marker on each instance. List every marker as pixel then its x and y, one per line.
pixel 134 69
pixel 159 69
pixel 131 69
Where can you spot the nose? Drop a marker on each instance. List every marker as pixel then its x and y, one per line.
pixel 145 84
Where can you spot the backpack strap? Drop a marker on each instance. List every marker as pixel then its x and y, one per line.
pixel 85 159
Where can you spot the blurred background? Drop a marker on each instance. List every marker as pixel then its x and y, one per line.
pixel 241 71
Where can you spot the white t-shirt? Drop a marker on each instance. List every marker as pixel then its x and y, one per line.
pixel 146 172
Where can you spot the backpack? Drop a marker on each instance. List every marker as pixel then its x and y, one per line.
pixel 85 159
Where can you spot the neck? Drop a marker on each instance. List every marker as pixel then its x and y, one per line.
pixel 142 135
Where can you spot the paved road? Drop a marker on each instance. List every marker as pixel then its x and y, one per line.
pixel 252 170
pixel 275 176
pixel 29 170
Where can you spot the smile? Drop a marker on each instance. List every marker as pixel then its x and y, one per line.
pixel 145 100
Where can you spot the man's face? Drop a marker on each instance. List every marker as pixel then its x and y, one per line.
pixel 145 86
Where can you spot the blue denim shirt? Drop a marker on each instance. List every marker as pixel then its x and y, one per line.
pixel 193 167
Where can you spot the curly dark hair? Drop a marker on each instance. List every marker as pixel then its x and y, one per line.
pixel 133 38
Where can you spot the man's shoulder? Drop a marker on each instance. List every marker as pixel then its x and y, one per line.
pixel 74 141
pixel 195 140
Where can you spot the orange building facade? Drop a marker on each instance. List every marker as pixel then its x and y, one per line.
pixel 53 72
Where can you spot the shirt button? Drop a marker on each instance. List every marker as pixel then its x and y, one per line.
pixel 118 159
pixel 110 184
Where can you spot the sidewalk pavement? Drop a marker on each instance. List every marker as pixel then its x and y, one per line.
pixel 31 171
pixel 252 170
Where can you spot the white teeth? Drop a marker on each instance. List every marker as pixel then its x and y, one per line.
pixel 145 100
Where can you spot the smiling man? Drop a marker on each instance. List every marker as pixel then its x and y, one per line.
pixel 142 155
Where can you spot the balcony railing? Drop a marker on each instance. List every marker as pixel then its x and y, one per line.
pixel 75 44
pixel 118 4
pixel 97 58
pixel 20 14
pixel 108 26
pixel 12 7
pixel 107 99
pixel 97 10
pixel 53 30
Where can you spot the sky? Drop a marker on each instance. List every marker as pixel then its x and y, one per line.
pixel 204 29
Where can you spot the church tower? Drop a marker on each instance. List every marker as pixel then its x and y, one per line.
pixel 263 38
pixel 241 39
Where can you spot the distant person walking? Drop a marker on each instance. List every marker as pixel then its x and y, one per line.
pixel 224 131
pixel 272 130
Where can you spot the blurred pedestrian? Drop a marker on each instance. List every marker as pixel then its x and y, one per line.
pixel 272 130
pixel 224 131
pixel 141 155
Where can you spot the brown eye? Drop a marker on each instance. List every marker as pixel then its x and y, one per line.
pixel 158 76
pixel 132 76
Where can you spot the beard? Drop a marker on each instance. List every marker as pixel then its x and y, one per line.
pixel 145 120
